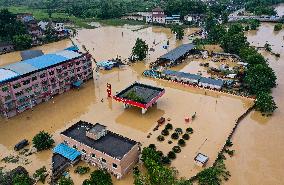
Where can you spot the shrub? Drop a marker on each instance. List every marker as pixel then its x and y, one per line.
pixel 174 136
pixel 189 130
pixel 178 131
pixel 169 126
pixel 185 136
pixel 161 138
pixel 166 160
pixel 170 142
pixel 160 153
pixel 165 132
pixel 176 149
pixel 181 142
pixel 40 174
pixel 82 170
pixel 152 146
pixel 43 141
pixel 171 155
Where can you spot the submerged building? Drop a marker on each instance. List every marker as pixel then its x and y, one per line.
pixel 139 95
pixel 27 83
pixel 97 146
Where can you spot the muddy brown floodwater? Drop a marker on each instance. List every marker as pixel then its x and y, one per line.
pixel 216 113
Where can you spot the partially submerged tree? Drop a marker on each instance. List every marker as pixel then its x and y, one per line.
pixel 22 42
pixel 43 141
pixel 65 181
pixel 140 49
pixel 265 103
pixel 99 177
pixel 260 78
pixel 178 30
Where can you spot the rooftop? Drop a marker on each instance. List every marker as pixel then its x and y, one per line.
pixel 27 66
pixel 66 151
pixel 212 81
pixel 182 74
pixel 201 158
pixel 112 144
pixel 97 128
pixel 178 52
pixel 145 92
pixel 158 9
pixel 31 54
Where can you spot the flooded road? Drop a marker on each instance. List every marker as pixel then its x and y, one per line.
pixel 216 113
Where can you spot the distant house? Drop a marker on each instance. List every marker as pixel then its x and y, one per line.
pixel 25 17
pixel 194 18
pixel 158 16
pixel 6 47
pixel 44 25
pixel 174 19
pixel 133 16
pixel 100 147
pixel 59 27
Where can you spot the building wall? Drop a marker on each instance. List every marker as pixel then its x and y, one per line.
pixel 123 166
pixel 27 91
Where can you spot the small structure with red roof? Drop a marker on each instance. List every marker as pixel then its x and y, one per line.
pixel 139 95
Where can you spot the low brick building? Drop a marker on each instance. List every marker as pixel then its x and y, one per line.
pixel 102 148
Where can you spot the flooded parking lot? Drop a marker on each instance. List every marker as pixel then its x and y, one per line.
pixel 216 113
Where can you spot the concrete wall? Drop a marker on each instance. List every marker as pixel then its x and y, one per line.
pixel 123 166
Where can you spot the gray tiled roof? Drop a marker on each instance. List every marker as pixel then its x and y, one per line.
pixel 112 144
pixel 182 74
pixel 212 81
pixel 176 53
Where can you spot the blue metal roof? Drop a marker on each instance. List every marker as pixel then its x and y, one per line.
pixel 21 68
pixel 37 63
pixel 72 48
pixel 45 60
pixel 176 53
pixel 66 151
pixel 6 74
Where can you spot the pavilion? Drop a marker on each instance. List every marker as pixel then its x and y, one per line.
pixel 139 95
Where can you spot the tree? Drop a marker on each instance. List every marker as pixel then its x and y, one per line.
pixel 99 177
pixel 22 179
pixel 233 43
pixel 265 103
pixel 51 6
pixel 40 174
pixel 140 49
pixel 65 181
pixel 22 42
pixel 43 141
pixel 278 27
pixel 267 47
pixel 178 30
pixel 259 78
pixel 213 175
pixel 216 33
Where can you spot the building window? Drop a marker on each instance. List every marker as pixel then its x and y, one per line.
pixel 51 73
pixel 16 85
pixel 4 89
pixel 84 151
pixel 74 146
pixel 26 82
pixel 34 78
pixel 103 160
pixel 114 165
pixel 93 155
pixel 42 75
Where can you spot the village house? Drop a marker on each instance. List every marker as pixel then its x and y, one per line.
pixel 6 47
pixel 100 147
pixel 158 16
pixel 133 16
pixel 174 19
pixel 196 19
pixel 211 83
pixel 25 84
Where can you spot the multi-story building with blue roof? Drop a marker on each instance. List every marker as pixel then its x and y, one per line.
pixel 27 83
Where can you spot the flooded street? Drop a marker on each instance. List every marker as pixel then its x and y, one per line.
pixel 255 141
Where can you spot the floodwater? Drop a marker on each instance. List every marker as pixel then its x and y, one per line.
pixel 216 113
pixel 259 141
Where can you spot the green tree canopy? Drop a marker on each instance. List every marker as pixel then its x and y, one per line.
pixel 265 103
pixel 22 42
pixel 99 177
pixel 43 141
pixel 65 181
pixel 260 78
pixel 178 30
pixel 140 49
pixel 22 179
